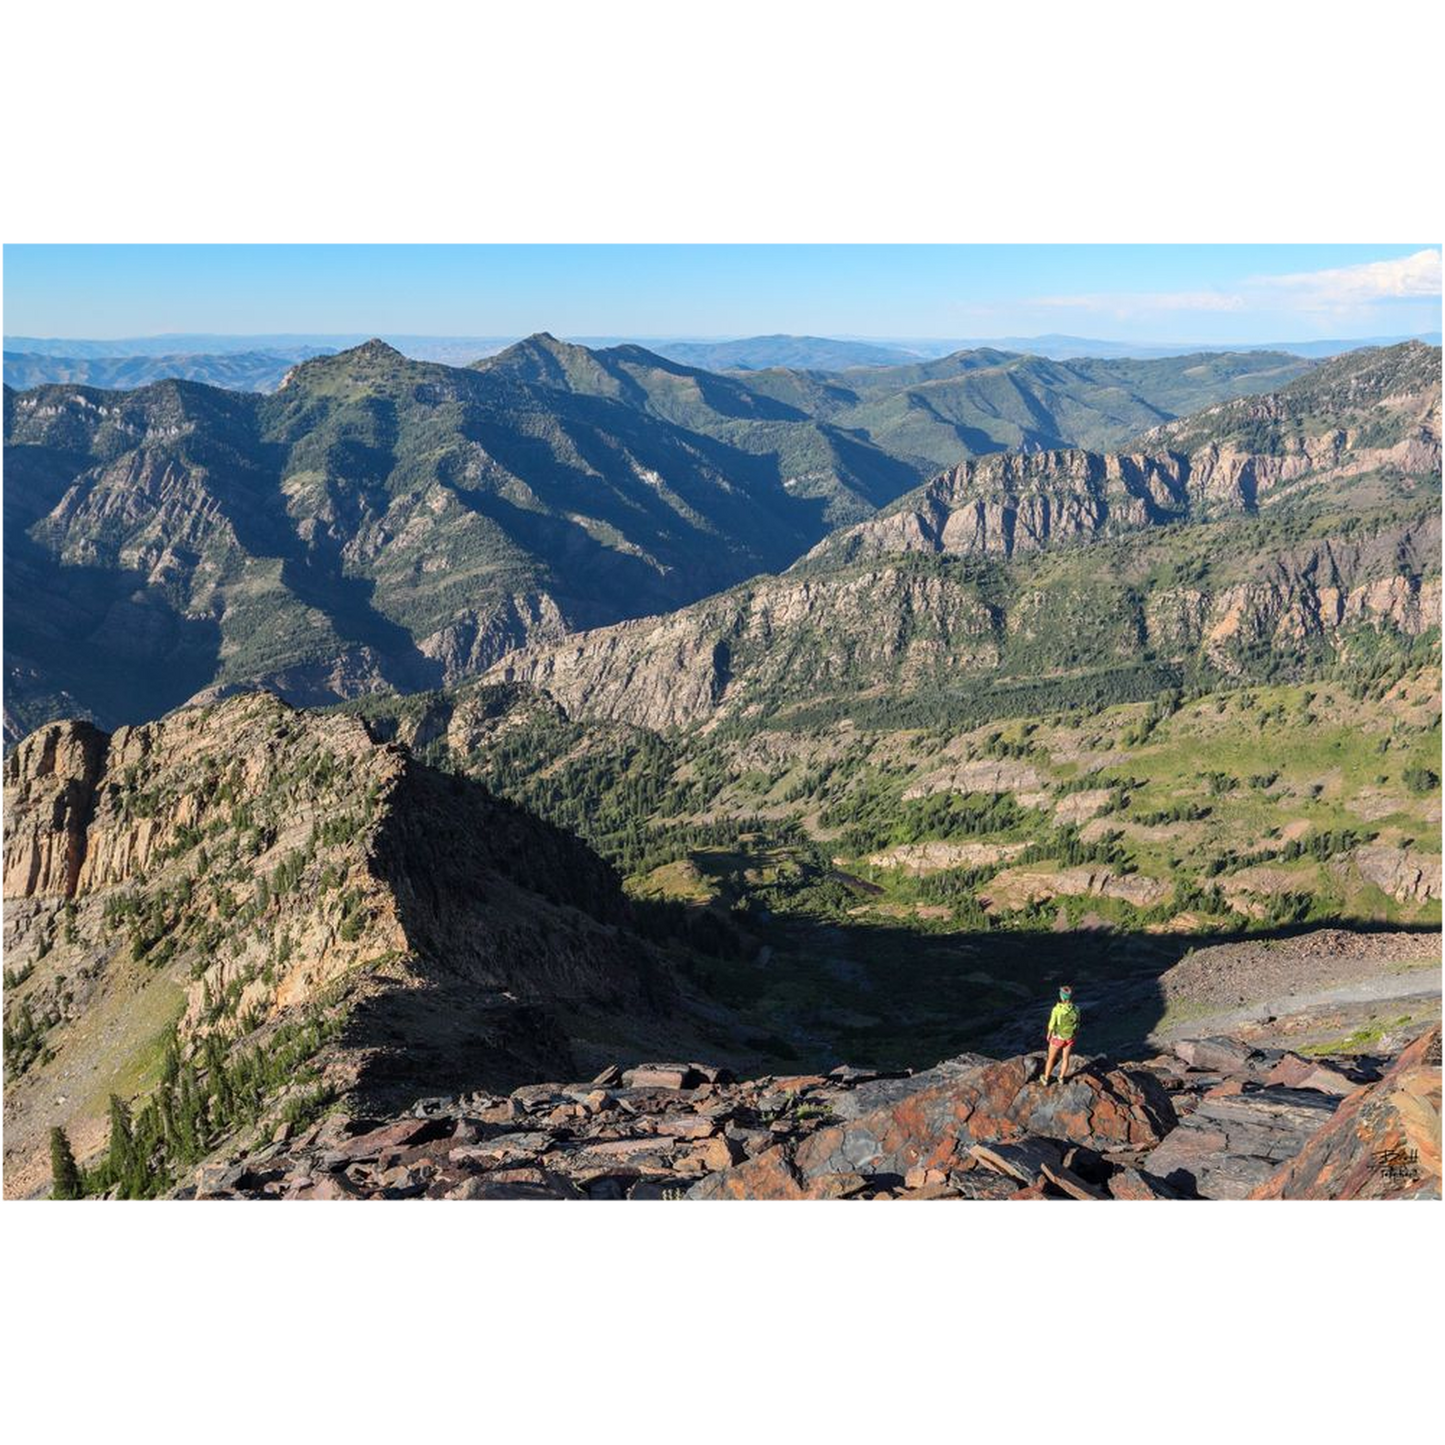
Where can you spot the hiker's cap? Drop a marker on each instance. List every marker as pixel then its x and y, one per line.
pixel 1066 992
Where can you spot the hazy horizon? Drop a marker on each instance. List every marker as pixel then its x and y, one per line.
pixel 1148 295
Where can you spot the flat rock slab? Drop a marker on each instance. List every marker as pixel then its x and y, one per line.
pixel 1232 1143
pixel 389 1138
pixel 503 1147
pixel 1133 1184
pixel 1023 1162
pixel 622 1148
pixel 663 1076
pixel 1062 1177
pixel 689 1126
pixel 995 1103
pixel 536 1098
pixel 891 1088
pixel 1227 1056
pixel 853 1074
pixel 1296 1072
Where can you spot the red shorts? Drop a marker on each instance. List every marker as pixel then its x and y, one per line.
pixel 1060 1043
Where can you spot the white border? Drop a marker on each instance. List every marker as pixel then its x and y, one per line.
pixel 758 121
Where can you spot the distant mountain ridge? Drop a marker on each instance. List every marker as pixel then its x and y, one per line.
pixel 382 523
pixel 1059 347
pixel 376 522
pixel 815 353
pixel 234 370
pixel 973 402
pixel 806 353
pixel 1225 558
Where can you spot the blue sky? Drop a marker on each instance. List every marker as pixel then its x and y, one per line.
pixel 1126 293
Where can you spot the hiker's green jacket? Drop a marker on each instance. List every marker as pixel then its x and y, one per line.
pixel 1063 1021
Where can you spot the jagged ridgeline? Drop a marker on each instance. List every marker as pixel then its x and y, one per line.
pixel 1270 538
pixel 380 523
pixel 241 913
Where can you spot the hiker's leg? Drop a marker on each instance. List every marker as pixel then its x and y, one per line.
pixel 1049 1062
pixel 1064 1062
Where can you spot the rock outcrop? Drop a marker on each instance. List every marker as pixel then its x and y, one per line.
pixel 244 870
pixel 1405 874
pixel 50 787
pixel 1217 1122
pixel 932 1128
pixel 1235 1139
pixel 1383 1141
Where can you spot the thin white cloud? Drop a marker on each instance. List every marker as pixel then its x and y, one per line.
pixel 1140 303
pixel 1338 289
pixel 1413 277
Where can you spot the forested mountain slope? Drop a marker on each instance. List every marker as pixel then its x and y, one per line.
pixel 381 523
pixel 1048 569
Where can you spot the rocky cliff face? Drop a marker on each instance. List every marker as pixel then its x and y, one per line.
pixel 1022 502
pixel 887 626
pixel 790 635
pixel 50 789
pixel 1358 415
pixel 1386 580
pixel 232 869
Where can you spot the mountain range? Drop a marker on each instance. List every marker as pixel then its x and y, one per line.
pixel 138 361
pixel 234 370
pixel 676 715
pixel 379 522
pixel 1218 543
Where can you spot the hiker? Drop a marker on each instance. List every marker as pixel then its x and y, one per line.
pixel 1063 1025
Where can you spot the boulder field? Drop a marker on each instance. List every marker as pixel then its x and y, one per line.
pixel 1213 1118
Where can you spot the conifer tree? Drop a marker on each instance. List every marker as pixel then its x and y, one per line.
pixel 66 1182
pixel 122 1146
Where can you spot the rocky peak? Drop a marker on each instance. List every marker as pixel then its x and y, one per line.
pixel 374 350
pixel 541 359
pixel 245 868
pixel 349 370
